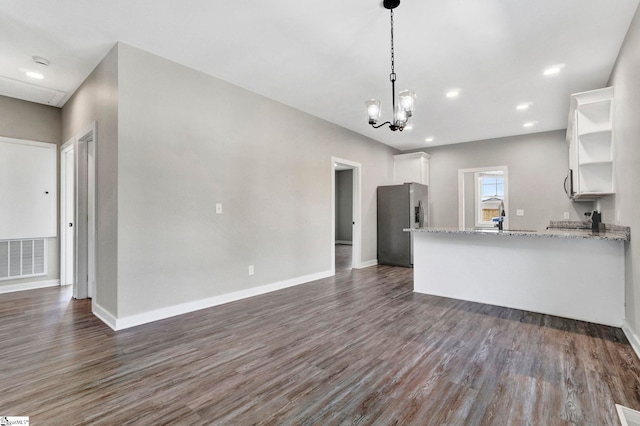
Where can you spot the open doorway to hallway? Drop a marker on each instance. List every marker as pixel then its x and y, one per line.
pixel 344 217
pixel 346 214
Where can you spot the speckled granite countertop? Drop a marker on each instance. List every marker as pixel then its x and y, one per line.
pixel 612 232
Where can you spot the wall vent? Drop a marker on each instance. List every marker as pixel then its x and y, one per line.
pixel 22 258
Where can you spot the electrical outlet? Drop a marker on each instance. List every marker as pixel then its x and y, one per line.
pixel 251 271
pixel 218 208
pixel 520 212
pixel 567 215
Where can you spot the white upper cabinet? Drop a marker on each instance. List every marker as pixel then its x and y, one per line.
pixel 590 137
pixel 412 167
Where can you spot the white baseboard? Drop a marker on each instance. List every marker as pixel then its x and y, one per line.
pixel 368 263
pixel 632 337
pixel 345 242
pixel 627 416
pixel 183 308
pixel 28 286
pixel 104 315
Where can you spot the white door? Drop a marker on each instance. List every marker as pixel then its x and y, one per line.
pixel 67 216
pixel 78 213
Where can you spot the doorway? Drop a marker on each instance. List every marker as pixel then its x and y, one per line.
pixel 344 217
pixel 78 214
pixel 346 214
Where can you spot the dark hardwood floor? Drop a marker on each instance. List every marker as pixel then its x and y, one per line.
pixel 358 348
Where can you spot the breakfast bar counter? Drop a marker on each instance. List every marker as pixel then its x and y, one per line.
pixel 617 233
pixel 573 273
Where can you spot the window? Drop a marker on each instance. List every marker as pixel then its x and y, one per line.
pixel 489 197
pixel 492 187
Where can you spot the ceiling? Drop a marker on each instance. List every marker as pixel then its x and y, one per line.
pixel 326 58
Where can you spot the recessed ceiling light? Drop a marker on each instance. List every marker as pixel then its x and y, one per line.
pixel 529 124
pixel 453 93
pixel 35 75
pixel 523 106
pixel 408 127
pixel 555 69
pixel 429 139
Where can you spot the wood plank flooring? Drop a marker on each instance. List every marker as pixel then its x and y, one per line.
pixel 358 348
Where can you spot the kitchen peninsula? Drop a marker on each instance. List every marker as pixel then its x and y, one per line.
pixel 573 273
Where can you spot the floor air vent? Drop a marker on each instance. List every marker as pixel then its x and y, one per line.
pixel 22 258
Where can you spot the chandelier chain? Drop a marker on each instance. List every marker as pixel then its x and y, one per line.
pixel 393 71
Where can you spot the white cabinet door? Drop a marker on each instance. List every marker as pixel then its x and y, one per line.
pixel 412 167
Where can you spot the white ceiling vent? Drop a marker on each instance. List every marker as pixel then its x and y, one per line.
pixel 30 92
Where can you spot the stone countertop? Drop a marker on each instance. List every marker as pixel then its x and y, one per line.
pixel 617 233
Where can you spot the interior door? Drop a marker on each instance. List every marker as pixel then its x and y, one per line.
pixel 68 211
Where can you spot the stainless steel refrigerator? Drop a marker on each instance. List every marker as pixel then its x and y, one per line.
pixel 399 207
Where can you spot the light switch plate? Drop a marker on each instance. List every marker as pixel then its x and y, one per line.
pixel 218 208
pixel 520 212
pixel 567 215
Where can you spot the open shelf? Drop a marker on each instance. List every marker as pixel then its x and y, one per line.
pixel 591 143
pixel 596 163
pixel 589 196
pixel 596 177
pixel 594 147
pixel 594 117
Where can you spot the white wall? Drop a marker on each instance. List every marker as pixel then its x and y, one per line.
pixel 97 100
pixel 36 122
pixel 186 141
pixel 537 166
pixel 626 202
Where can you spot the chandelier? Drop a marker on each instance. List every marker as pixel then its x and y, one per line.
pixel 406 102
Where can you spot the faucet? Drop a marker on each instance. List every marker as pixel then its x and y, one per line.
pixel 502 216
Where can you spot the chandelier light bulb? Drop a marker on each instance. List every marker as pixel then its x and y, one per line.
pixel 373 110
pixel 407 101
pixel 401 116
